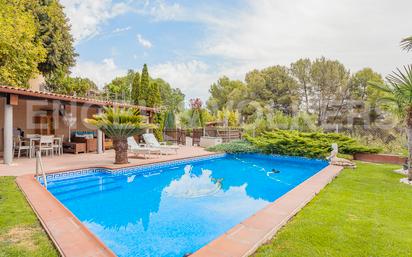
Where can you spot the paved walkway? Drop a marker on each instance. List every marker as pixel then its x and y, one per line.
pixel 24 165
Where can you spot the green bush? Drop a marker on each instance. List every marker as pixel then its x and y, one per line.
pixel 312 145
pixel 236 146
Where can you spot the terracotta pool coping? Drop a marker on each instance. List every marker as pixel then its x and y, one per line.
pixel 73 239
pixel 128 165
pixel 69 235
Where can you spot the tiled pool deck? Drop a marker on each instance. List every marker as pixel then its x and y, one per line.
pixel 72 238
pixel 64 162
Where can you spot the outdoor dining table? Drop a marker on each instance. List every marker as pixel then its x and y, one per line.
pixel 33 140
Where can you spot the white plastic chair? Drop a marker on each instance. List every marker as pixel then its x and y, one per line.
pixel 22 145
pixel 46 144
pixel 58 144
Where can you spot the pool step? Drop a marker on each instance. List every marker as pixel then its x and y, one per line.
pixel 93 187
pixel 76 180
pixel 79 193
pixel 61 189
pixel 79 182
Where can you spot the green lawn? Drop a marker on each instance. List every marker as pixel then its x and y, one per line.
pixel 364 212
pixel 20 232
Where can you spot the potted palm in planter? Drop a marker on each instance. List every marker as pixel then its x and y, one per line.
pixel 119 124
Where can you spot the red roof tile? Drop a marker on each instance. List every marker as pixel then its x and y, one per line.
pixel 54 96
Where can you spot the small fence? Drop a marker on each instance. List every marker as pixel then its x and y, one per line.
pixel 178 136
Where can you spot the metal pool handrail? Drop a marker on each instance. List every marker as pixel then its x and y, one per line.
pixel 39 165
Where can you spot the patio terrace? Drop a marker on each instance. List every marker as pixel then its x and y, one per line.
pixel 63 162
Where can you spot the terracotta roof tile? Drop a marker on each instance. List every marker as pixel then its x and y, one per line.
pixel 54 96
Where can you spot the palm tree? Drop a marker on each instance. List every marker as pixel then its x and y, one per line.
pixel 399 92
pixel 406 44
pixel 119 124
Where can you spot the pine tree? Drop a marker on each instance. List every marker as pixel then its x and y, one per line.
pixel 144 86
pixel 136 89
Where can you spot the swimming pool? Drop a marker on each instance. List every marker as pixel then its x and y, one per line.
pixel 176 208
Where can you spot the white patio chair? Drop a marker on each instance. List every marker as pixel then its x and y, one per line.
pixel 32 135
pixel 151 141
pixel 137 149
pixel 46 144
pixel 58 144
pixel 22 145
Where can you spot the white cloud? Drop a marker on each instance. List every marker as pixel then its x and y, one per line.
pixel 86 16
pixel 162 11
pixel 101 73
pixel 143 42
pixel 192 77
pixel 118 30
pixel 266 32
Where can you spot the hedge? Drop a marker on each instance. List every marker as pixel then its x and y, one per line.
pixel 236 146
pixel 312 145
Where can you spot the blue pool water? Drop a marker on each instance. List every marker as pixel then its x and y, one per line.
pixel 174 209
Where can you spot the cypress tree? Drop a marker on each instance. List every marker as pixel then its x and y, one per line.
pixel 153 95
pixel 144 86
pixel 136 89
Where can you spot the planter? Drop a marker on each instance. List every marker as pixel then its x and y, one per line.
pixel 189 141
pixel 380 158
pixel 210 141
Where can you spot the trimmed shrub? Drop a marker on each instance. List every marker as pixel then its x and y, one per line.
pixel 236 146
pixel 312 145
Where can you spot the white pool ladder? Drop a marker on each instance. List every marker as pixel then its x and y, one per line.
pixel 39 166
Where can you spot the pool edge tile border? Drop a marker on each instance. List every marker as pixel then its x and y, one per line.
pixel 131 165
pixel 59 223
pixel 246 237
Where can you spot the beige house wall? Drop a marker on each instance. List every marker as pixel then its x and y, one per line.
pixel 26 110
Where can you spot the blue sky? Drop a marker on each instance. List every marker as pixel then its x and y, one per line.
pixel 191 44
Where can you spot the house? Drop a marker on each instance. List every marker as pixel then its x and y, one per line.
pixel 31 111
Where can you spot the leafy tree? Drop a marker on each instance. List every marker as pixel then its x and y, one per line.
pixel 172 98
pixel 406 44
pixel 120 87
pixel 119 124
pixel 399 93
pixel 361 90
pixel 144 86
pixel 53 30
pixel 63 84
pixel 135 88
pixel 221 93
pixel 301 70
pixel 330 85
pixel 274 86
pixel 20 50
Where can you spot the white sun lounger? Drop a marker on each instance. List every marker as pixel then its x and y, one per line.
pixel 137 149
pixel 151 141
